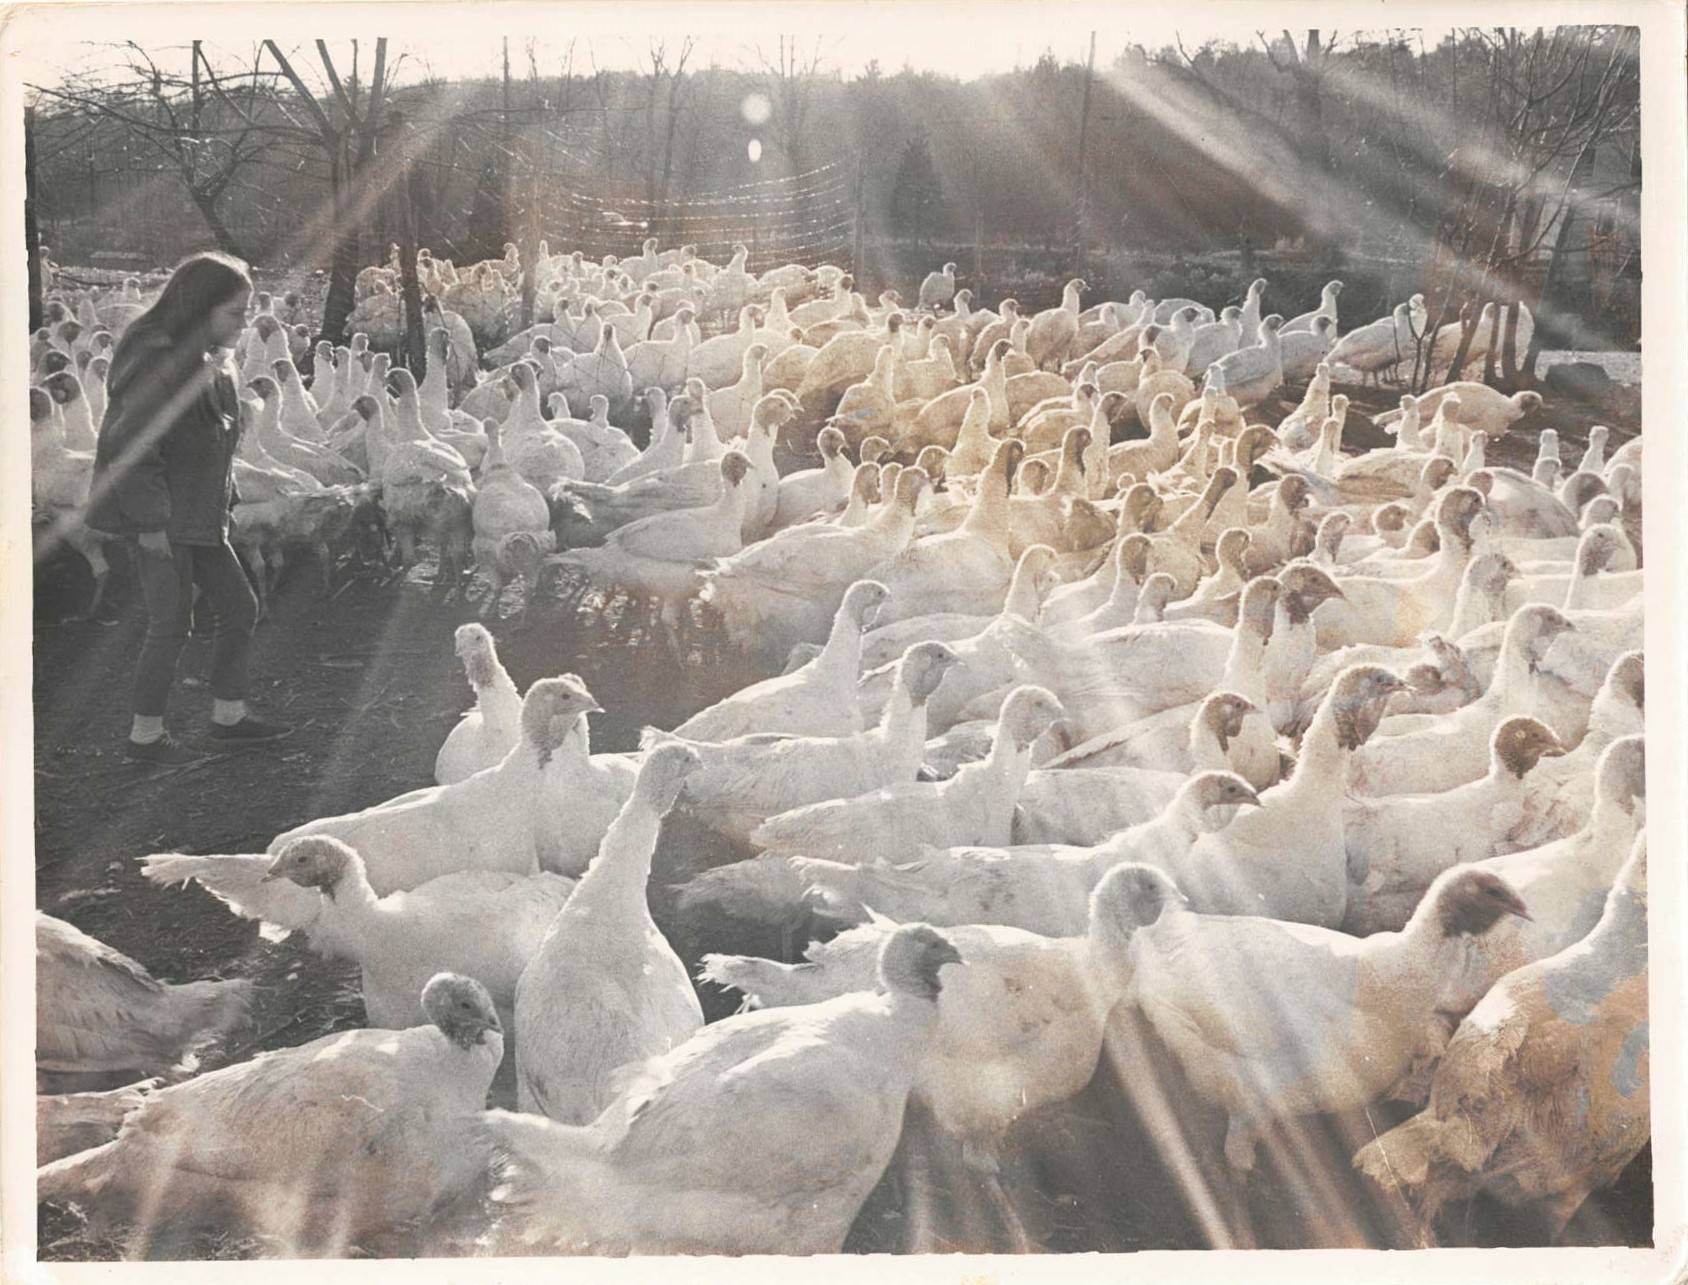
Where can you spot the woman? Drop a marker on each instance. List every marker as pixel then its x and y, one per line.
pixel 163 475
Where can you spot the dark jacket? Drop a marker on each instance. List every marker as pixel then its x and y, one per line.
pixel 165 456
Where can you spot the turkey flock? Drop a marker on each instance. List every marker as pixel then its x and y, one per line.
pixel 1113 698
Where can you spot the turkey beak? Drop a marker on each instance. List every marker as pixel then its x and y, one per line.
pixel 270 876
pixel 1252 800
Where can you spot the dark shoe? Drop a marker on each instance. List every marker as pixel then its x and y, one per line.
pixel 163 752
pixel 249 731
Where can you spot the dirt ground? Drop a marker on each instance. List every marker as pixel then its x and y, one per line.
pixel 370 682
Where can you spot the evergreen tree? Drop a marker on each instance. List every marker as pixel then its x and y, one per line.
pixel 917 197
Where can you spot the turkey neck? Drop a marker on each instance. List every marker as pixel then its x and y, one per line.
pixel 1245 664
pixel 353 898
pixel 1003 776
pixel 526 416
pixel 988 518
pixel 902 733
pixel 1190 524
pixel 995 383
pixel 411 427
pixel 1610 831
pixel 1318 778
pixel 271 435
pixel 292 395
pixel 433 389
pixel 841 659
pixel 1513 684
pixel 893 527
pixel 1069 477
pixel 1619 939
pixel 503 716
pixel 1407 436
pixel 621 871
pixel 1022 600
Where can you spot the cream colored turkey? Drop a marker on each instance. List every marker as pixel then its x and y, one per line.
pixel 1398 844
pixel 98 1013
pixel 1054 329
pixel 1480 406
pixel 696 1155
pixel 1042 888
pixel 1034 577
pixel 604 989
pixel 1274 1020
pixel 938 288
pixel 488 922
pixel 1253 374
pixel 505 504
pixel 657 557
pixel 1397 612
pixel 1541 1096
pixel 808 493
pixel 974 806
pixel 1019 1025
pixel 1164 739
pixel 1241 870
pixel 1208 343
pixel 745 780
pixel 784 591
pixel 318 1146
pixel 1558 795
pixel 66 1123
pixel 1379 346
pixel 486 734
pixel 967 569
pixel 816 700
pixel 1454 748
pixel 1308 321
pixel 1565 882
pixel 604 449
pixel 508 818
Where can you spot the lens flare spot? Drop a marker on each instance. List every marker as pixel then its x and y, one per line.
pixel 756 109
pixel 754 150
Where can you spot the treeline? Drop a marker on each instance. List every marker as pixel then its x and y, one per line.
pixel 1476 162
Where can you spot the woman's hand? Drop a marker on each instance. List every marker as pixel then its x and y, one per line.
pixel 155 543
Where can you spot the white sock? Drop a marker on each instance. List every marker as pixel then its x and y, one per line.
pixel 227 713
pixel 146 728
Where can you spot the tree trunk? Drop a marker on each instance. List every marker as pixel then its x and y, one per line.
pixel 220 230
pixel 343 266
pixel 1509 347
pixel 415 349
pixel 1561 246
pixel 31 231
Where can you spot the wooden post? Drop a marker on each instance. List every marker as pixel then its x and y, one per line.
pixel 1083 182
pixel 415 344
pixel 32 232
pixel 861 204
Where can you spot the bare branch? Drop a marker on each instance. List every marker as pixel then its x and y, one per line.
pixel 324 125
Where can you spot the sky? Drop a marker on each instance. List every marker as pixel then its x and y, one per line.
pixel 944 36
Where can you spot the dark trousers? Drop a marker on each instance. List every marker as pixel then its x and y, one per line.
pixel 167 589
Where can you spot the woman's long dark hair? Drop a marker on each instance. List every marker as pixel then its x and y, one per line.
pixel 199 283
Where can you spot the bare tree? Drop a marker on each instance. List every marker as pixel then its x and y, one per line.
pixel 790 78
pixel 666 101
pixel 345 128
pixel 209 128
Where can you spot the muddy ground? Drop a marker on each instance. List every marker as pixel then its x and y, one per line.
pixel 370 682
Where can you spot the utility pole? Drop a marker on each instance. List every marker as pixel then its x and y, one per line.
pixel 1083 181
